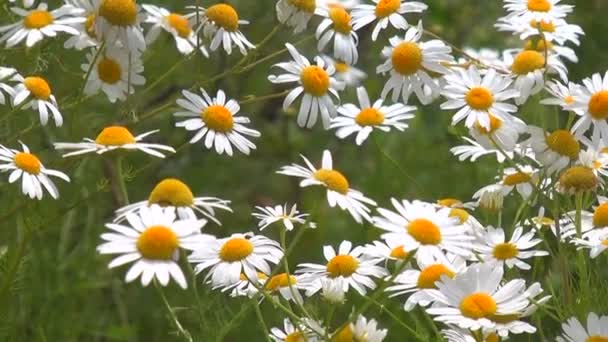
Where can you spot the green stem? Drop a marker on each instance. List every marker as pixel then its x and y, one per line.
pixel 258 313
pixel 292 290
pixel 395 318
pixel 121 181
pixel 90 69
pixel 17 259
pixel 183 332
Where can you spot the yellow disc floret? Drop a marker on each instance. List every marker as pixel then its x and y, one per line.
pixel 384 8
pixel 218 118
pixel 180 24
pixel 333 180
pixel 449 202
pixel 38 87
pixel 236 249
pixel 495 124
pixel 315 80
pixel 527 61
pixel 119 12
pixel 399 253
pixel 407 58
pixel 431 274
pixel 478 305
pixel 89 25
pixel 341 19
pixel 171 192
pixel 600 216
pixel 564 143
pixel 597 338
pixel 480 98
pixel 295 336
pixel 543 25
pixel 342 265
pixel 307 6
pixel 341 67
pixel 517 178
pixel 224 16
pixel 281 280
pixel 369 117
pixel 424 231
pixel 539 45
pixel 461 214
pixel 28 163
pixel 38 19
pixel 157 243
pixel 504 251
pixel 578 179
pixel 539 5
pixel 109 70
pixel 115 136
pixel 598 105
pixel 345 335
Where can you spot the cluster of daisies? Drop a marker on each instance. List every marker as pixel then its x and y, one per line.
pixel 435 256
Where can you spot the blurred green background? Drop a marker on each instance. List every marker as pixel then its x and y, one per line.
pixel 63 290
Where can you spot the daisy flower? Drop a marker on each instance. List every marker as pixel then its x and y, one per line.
pixel 574 331
pixel 295 13
pixel 34 176
pixel 361 330
pixel 502 132
pixel 119 21
pixel 243 287
pixel 35 92
pixel 541 45
pixel 288 286
pixel 364 118
pixel 591 104
pixel 347 263
pixel 278 213
pixel 179 26
pixel 338 188
pixel 220 24
pixel 415 282
pixel 173 193
pixel 390 249
pixel 409 62
pixel 385 12
pixel 455 334
pixel 555 151
pixel 529 68
pixel 290 333
pixel 536 9
pixel 424 228
pixel 26 3
pixel 590 221
pixel 522 179
pixel 226 258
pixel 315 82
pixel 332 290
pixel 86 36
pixel 152 239
pixel 475 299
pixel 478 98
pixel 113 138
pixel 39 22
pixel 594 159
pixel 338 25
pixel 490 197
pixel 554 30
pixel 596 241
pixel 496 250
pixel 217 121
pixel 6 74
pixel 562 94
pixel 349 75
pixel 116 72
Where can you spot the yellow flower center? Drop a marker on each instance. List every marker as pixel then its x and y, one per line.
pixel 261 276
pixel 341 19
pixel 407 58
pixel 333 180
pixel 538 45
pixel 543 25
pixel 598 105
pixel 38 19
pixel 569 99
pixel 236 249
pixel 295 336
pixel 369 117
pixel 480 98
pixel 384 8
pixel 109 70
pixel 342 265
pixel 478 305
pixel 171 192
pixel 600 216
pixel 495 124
pixel 28 163
pixel 89 25
pixel 281 280
pixel 224 16
pixel 399 253
pixel 463 215
pixel 564 143
pixel 527 61
pixel 38 86
pixel 492 338
pixel 308 6
pixel 315 80
pixel 577 179
pixel 218 118
pixel 431 274
pixel 341 67
pixel 157 243
pixel 424 231
pixel 605 242
pixel 597 338
pixel 180 24
pixel 449 202
pixel 517 178
pixel 504 251
pixel 539 5
pixel 119 12
pixel 115 136
pixel 345 335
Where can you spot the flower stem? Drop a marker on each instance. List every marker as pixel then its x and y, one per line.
pixel 183 332
pixel 258 313
pixel 121 181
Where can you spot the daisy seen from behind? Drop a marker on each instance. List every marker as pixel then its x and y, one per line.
pixel 316 84
pixel 152 240
pixel 350 75
pixel 367 117
pixel 362 329
pixel 291 333
pixel 27 166
pixel 216 120
pixel 226 258
pixel 295 13
pixel 86 36
pixel 35 92
pixel 338 188
pixel 596 241
pixel 596 329
pixel 38 23
pixel 385 12
pixel 220 24
pixel 280 213
pixel 119 22
pixel 113 138
pixel 494 249
pixel 338 25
